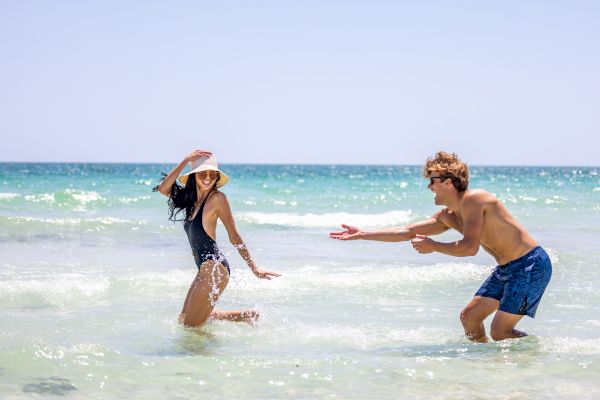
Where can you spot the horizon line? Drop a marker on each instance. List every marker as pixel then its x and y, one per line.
pixel 299 164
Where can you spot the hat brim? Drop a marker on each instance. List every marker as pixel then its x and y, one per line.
pixel 223 179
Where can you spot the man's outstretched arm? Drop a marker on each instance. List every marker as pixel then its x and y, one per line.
pixel 467 246
pixel 431 226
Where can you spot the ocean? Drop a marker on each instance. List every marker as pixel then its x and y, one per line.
pixel 93 276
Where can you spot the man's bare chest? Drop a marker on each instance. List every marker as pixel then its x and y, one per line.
pixel 454 221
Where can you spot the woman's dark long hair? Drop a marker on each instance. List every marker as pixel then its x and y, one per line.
pixel 183 198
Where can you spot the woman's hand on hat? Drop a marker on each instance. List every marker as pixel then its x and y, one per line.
pixel 197 154
pixel 262 274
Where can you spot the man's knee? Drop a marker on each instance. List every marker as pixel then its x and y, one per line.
pixel 468 316
pixel 499 334
pixel 500 330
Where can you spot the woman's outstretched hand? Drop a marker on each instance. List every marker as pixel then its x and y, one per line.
pixel 197 154
pixel 350 233
pixel 265 274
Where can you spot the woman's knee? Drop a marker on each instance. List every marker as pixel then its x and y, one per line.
pixel 194 321
pixel 198 312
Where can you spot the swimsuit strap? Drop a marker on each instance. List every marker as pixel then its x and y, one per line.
pixel 203 204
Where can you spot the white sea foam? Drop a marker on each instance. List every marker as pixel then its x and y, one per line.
pixel 9 196
pixel 80 197
pixel 330 220
pixel 375 275
pixel 128 200
pixel 157 280
pixel 365 336
pixel 62 291
pixel 81 351
pixel 67 289
pixel 38 198
pixel 529 198
pixel 83 196
pixel 308 279
pixel 556 199
pixel 68 221
pixel 592 322
pixel 553 255
pixel 572 345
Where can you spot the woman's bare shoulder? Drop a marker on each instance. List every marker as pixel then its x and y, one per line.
pixel 217 197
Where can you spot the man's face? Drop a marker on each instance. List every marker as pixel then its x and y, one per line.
pixel 437 186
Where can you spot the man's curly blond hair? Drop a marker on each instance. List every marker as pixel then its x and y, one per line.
pixel 448 166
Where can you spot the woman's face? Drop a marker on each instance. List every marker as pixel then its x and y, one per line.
pixel 205 180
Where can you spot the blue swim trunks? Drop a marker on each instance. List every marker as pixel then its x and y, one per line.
pixel 520 284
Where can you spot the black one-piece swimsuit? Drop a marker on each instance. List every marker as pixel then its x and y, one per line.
pixel 203 246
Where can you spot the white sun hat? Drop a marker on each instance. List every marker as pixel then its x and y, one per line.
pixel 205 164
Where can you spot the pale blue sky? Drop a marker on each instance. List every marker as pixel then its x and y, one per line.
pixel 372 82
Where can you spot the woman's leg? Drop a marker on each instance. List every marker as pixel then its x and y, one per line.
pixel 187 298
pixel 210 282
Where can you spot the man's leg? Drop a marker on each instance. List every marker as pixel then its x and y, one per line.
pixel 503 326
pixel 473 315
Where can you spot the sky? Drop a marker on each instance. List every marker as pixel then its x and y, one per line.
pixel 309 82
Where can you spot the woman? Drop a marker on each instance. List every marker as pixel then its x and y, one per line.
pixel 202 204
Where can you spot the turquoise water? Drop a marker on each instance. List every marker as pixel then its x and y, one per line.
pixel 92 277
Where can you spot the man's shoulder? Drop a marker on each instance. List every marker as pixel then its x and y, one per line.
pixel 443 213
pixel 478 196
pixel 477 200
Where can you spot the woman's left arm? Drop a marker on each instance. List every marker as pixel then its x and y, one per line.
pixel 225 215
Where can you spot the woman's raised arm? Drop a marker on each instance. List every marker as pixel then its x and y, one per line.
pixel 167 183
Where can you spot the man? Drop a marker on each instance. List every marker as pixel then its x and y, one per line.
pixel 516 285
